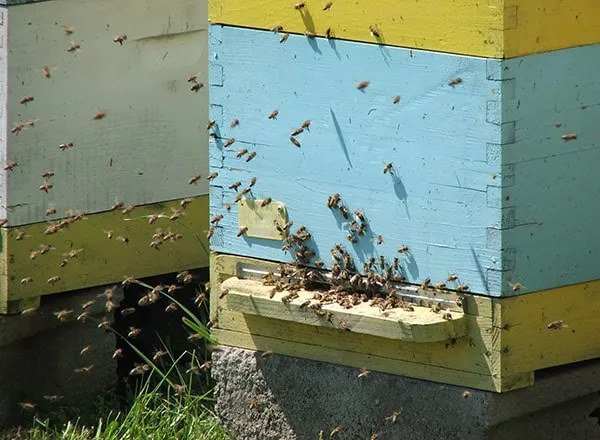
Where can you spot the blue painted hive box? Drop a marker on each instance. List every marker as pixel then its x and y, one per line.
pixel 473 172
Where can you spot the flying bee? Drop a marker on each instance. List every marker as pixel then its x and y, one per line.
pixel 440 286
pixel 120 38
pixel 85 349
pixel 403 249
pixel 235 123
pixel 17 128
pixel 569 137
pixel 327 6
pixel 194 179
pixel 139 369
pixel 73 47
pixel 83 369
pixel 238 198
pixel 28 406
pixel 454 81
pixel 73 253
pixel 425 284
pixel 299 5
pixel 133 332
pixel 20 235
pixel 212 176
pixel 127 209
pixel 27 280
pixel 229 142
pixel 297 131
pixel 396 99
pixel 245 191
pixel 26 99
pixel 338 428
pixel 268 353
pixel 516 286
pixel 210 123
pixel 379 239
pixel 158 354
pixel 388 168
pixel 252 182
pixel 196 86
pixel 99 115
pixel 451 277
pixel 557 325
pixel 242 231
pixel 53 280
pixel 63 315
pixel 235 185
pixel 241 153
pixel 128 311
pixel 251 156
pixel 216 219
pixel 265 202
pixel 362 85
pixel 295 141
pixel 374 31
pixel 364 373
pixel 184 203
pixel 359 215
pixel 274 113
pixel 306 124
pixel 65 146
pixel 46 186
pixel 277 28
pixel 281 40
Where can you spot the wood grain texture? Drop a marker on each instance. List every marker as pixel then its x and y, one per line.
pixel 549 234
pixel 443 195
pixel 419 325
pixel 101 260
pixel 496 28
pixel 151 140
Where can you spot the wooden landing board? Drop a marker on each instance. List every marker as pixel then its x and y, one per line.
pixel 496 28
pixel 102 260
pixel 419 325
pixel 151 140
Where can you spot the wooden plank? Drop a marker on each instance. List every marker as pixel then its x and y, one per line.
pixel 443 195
pixel 102 260
pixel 497 29
pixel 419 325
pixel 529 344
pixel 376 363
pixel 149 143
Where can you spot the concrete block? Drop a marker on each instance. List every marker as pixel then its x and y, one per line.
pixel 282 397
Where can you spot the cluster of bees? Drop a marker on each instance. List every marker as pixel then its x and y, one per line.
pixel 107 301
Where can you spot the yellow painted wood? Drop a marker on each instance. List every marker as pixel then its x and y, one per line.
pixel 367 361
pixel 420 325
pixel 260 220
pixel 493 28
pixel 102 260
pixel 527 342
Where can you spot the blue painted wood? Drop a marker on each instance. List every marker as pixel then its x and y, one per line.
pixel 458 152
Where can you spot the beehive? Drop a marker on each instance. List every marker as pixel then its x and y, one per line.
pixel 468 147
pixel 128 111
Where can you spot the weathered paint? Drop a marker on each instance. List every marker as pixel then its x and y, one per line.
pixel 493 28
pixel 102 260
pixel 458 153
pixel 151 140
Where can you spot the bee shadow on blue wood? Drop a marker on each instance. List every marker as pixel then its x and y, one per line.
pixel 480 269
pixel 263 242
pixel 410 264
pixel 400 192
pixel 333 46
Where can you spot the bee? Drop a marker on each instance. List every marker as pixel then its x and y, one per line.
pixel 379 239
pixel 46 72
pixel 68 30
pixel 128 311
pixel 382 261
pixel 425 284
pixel 396 99
pixel 374 31
pixel 88 304
pixel 105 323
pixel 216 219
pixel 127 209
pixel 328 33
pixel 451 277
pixel 73 47
pixel 466 394
pixel 118 353
pixel 333 201
pixel 73 253
pixel 196 86
pixel 516 287
pixel 241 153
pixel 327 6
pixel 85 349
pixel 268 353
pixel 238 198
pixel 99 115
pixel 46 186
pixel 27 280
pixel 351 238
pixel 394 417
pixel 309 34
pixel 10 165
pixel 235 185
pixel 277 28
pixel 299 5
pixel 359 215
pixel 295 141
pixel 242 231
pixel 133 332
pixel 252 182
pixel 117 205
pixel 65 146
pixel 20 235
pixel 281 40
pixel 210 123
pixel 462 288
pixel 306 125
pixel 120 38
pixel 26 99
pixel 569 137
pixel 362 85
pixel 123 239
pixel 364 373
pixel 184 203
pixel 48 174
pixel 388 168
pixel 192 78
pixel 53 280
pixel 235 123
pixel 158 354
pixel 251 156
pixel 229 142
pixel 194 179
pixel 297 131
pixel 454 81
pixel 28 406
pixel 53 398
pixel 440 286
pixel 374 436
pixel 212 176
pixel 109 234
pixel 338 428
pixel 274 113
pixel 17 128
pixel 403 249
pixel 139 369
pixel 171 308
pixel 557 325
pixel 245 191
pixel 227 206
pixel 265 202
pixel 63 315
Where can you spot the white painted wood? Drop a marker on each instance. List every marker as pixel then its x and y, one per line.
pixel 153 138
